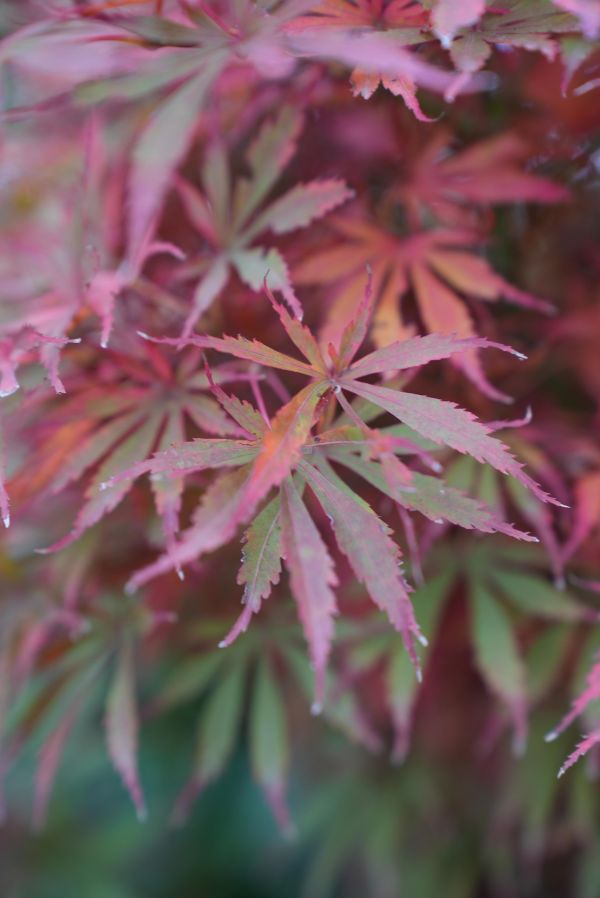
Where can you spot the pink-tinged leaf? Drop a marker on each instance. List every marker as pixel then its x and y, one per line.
pixel 121 723
pixel 215 522
pixel 218 730
pixel 474 276
pixel 282 443
pixel 254 265
pixel 448 17
pixel 498 659
pixel 416 351
pixel 443 422
pixel 241 411
pixel 366 542
pixel 253 351
pixel 406 88
pixel 587 512
pixel 432 498
pixel 370 51
pixel 160 148
pixel 261 566
pixel 99 502
pixel 17 348
pixel 267 157
pixel 168 492
pixel 48 761
pixel 93 448
pixel 102 293
pixel 444 313
pixel 208 288
pixel 355 333
pixel 312 577
pixel 4 499
pixel 194 455
pixel 590 693
pixel 217 184
pixel 364 84
pixel 197 209
pixel 469 52
pixel 301 205
pixel 300 335
pixel 582 749
pixel 587 11
pixel 210 417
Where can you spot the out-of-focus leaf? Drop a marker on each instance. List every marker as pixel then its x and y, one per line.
pixel 269 749
pixel 122 725
pixel 498 658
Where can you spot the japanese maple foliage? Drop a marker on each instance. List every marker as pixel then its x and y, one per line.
pixel 247 298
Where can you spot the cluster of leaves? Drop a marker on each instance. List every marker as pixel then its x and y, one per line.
pixel 176 171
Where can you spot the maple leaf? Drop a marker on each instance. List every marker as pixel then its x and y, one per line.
pixel 197 46
pixel 282 448
pixel 492 582
pixel 230 218
pixel 500 493
pixel 448 182
pixel 102 641
pixel 145 404
pixel 251 682
pixel 506 586
pixel 404 22
pixel 523 24
pixel 448 17
pixel 583 705
pixel 586 515
pixel 587 11
pixel 438 265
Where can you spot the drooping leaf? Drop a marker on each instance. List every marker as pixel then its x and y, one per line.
pixel 312 577
pixel 121 723
pixel 374 557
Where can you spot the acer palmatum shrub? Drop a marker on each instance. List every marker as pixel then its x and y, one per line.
pixel 316 283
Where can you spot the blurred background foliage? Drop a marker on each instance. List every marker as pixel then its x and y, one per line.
pixel 394 792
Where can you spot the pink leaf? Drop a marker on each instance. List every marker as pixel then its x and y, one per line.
pixel 374 557
pixel 161 146
pixel 312 577
pixel 444 422
pixel 416 351
pixel 449 16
